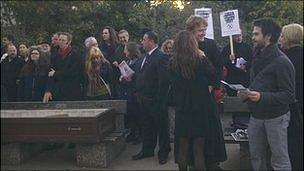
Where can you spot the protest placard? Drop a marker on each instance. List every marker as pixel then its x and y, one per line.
pixel 230 23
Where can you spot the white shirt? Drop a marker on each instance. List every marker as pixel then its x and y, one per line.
pixel 150 52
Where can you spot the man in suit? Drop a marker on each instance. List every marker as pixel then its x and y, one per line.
pixel 152 84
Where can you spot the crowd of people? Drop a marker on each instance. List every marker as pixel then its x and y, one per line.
pixel 183 74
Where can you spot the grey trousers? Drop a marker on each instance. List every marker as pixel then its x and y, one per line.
pixel 272 132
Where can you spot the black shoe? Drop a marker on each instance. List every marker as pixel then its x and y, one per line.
pixel 162 160
pixel 141 155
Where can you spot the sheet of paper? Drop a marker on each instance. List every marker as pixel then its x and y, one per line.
pixel 125 70
pixel 236 87
pixel 240 61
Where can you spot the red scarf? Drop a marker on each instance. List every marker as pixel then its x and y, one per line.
pixel 64 52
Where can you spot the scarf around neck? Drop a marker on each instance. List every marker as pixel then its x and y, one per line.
pixel 64 52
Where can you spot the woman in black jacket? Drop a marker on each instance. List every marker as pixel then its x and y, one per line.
pixel 291 41
pixel 33 77
pixel 191 73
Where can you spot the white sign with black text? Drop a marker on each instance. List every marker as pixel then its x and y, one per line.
pixel 230 23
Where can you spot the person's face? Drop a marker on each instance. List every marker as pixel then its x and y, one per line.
pixel 94 44
pixel 5 41
pixel 237 38
pixel 55 39
pixel 200 32
pixel 258 39
pixel 96 59
pixel 63 41
pixel 45 47
pixel 169 49
pixel 126 52
pixel 283 42
pixel 105 34
pixel 123 38
pixel 12 51
pixel 22 49
pixel 146 42
pixel 35 55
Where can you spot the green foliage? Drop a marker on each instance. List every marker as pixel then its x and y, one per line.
pixel 33 21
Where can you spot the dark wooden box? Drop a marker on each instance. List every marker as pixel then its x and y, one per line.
pixel 59 125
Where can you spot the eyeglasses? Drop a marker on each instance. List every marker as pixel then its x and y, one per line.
pixel 34 53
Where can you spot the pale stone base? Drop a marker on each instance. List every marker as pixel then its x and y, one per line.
pixel 17 153
pixel 100 155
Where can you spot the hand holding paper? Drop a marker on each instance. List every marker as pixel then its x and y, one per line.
pixel 236 87
pixel 240 62
pixel 125 70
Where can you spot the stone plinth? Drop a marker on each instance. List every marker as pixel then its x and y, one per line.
pixel 17 153
pixel 101 154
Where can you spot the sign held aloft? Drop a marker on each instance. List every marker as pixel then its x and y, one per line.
pixel 206 14
pixel 230 23
pixel 230 26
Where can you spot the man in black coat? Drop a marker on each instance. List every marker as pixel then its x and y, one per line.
pixel 10 69
pixel 237 74
pixel 66 72
pixel 152 85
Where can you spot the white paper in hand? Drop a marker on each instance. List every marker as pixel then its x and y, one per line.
pixel 236 87
pixel 240 61
pixel 125 70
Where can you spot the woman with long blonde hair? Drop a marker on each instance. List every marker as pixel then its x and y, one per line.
pixel 291 42
pixel 190 74
pixel 98 74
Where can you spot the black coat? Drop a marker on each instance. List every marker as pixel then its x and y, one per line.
pixel 32 88
pixel 295 54
pixel 68 77
pixel 215 146
pixel 152 80
pixel 214 55
pixel 9 74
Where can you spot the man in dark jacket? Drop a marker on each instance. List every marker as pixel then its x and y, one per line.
pixel 237 74
pixel 272 89
pixel 66 72
pixel 10 69
pixel 152 84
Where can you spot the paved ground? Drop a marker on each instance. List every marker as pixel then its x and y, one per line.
pixel 64 159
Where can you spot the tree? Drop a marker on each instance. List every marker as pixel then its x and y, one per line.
pixel 32 21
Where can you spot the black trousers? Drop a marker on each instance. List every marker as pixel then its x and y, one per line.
pixel 154 124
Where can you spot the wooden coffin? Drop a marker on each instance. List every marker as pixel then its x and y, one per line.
pixel 59 125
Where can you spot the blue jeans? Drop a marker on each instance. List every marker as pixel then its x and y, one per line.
pixel 272 132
